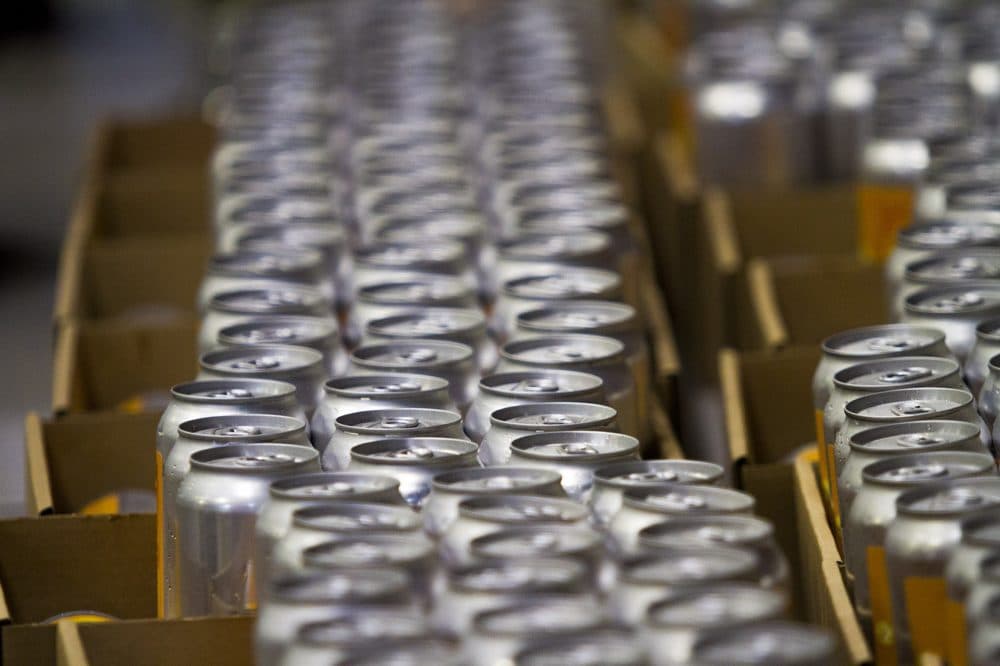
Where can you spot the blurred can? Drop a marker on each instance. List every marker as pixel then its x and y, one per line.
pixel 326 642
pixel 963 574
pixel 217 507
pixel 300 366
pixel 518 542
pixel 575 455
pixel 611 482
pixel 528 253
pixel 466 326
pixel 593 647
pixel 387 262
pixel 989 395
pixel 350 430
pixel 977 363
pixel 964 268
pixel 956 311
pixel 235 307
pixel 405 296
pixel 414 461
pixel 316 333
pixel 479 516
pixel 984 628
pixel 248 270
pixel 452 361
pixel 440 650
pixel 362 393
pixel 510 423
pixel 766 643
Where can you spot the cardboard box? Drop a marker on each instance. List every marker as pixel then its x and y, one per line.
pixel 73 460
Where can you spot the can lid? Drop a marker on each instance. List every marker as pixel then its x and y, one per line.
pixel 597 317
pixel 440 291
pixel 299 266
pixel 593 647
pixel 584 447
pixel 295 232
pixel 233 391
pixel 441 256
pixel 541 575
pixel 603 212
pixel 679 500
pixel 658 473
pixel 356 517
pixel 540 617
pixel 411 652
pixel 707 531
pixel 255 458
pixel 547 540
pixel 771 643
pixel 539 417
pixel 370 550
pixel 360 628
pixel 696 565
pixel 411 354
pixel 982 300
pixel 315 332
pixel 430 324
pixel 457 223
pixel 398 384
pixel 945 234
pixel 543 385
pixel 920 468
pixel 571 350
pixel 522 510
pixel 883 341
pixel 284 299
pixel 952 497
pixel 269 211
pixel 262 360
pixel 915 436
pixel 382 585
pixel 422 452
pixel 902 372
pixel 553 247
pixel 953 266
pixel 568 283
pixel 499 480
pixel 920 403
pixel 337 486
pixel 717 605
pixel 404 421
pixel 242 428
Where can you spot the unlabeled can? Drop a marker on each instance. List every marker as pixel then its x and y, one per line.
pixel 441 650
pixel 217 507
pixel 956 311
pixel 518 542
pixel 594 354
pixel 316 333
pixel 300 366
pixel 452 361
pixel 234 307
pixel 362 393
pixel 767 643
pixel 393 262
pixel 510 423
pixel 917 546
pixel 414 461
pixel 351 430
pixel 261 270
pixel 963 574
pixel 528 253
pixel 977 364
pixel 642 507
pixel 327 642
pixel 509 389
pixel 968 268
pixel 989 394
pixel 466 326
pixel 595 647
pixel 575 455
pixel 416 294
pixel 479 516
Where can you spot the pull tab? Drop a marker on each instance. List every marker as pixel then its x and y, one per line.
pixel 431 326
pixel 892 344
pixel 544 542
pixel 234 394
pixel 278 298
pixel 958 498
pixel 582 319
pixel 237 431
pixel 916 440
pixel 557 420
pixel 415 453
pixel 678 502
pixel 910 408
pixel 282 334
pixel 395 388
pixel 662 475
pixel 262 363
pixel 542 385
pixel 567 352
pixel 904 375
pixel 421 355
pixel 577 449
pixel 966 267
pixel 399 422
pixel 916 472
pixel 328 490
pixel 263 460
pixel 969 299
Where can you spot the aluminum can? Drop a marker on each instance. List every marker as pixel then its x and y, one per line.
pixel 472 589
pixel 545 288
pixel 288 495
pixel 917 546
pixel 528 253
pixel 394 262
pixel 362 393
pixel 193 436
pixel 595 647
pixel 425 198
pixel 520 542
pixel 350 430
pixel 217 507
pixel 956 311
pixel 466 326
pixel 673 624
pixel 439 650
pixel 416 555
pixel 478 516
pixel 766 643
pixel 327 642
pixel 405 296
pixel 235 307
pixel 450 488
pixel 414 461
pixel 963 574
pixel 300 366
pixel 595 354
pixel 299 222
pixel 340 521
pixel 510 423
pixel 261 270
pixel 497 635
pixel 943 176
pixel 293 602
pixel 984 633
pixel 977 364
pixel 743 532
pixel 452 361
pixel 922 240
pixel 642 507
pixel 575 455
pixel 605 318
pixel 509 389
pixel 313 332
pixel 954 269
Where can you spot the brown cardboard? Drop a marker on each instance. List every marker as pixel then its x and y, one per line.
pixel 100 364
pixel 153 200
pixel 78 458
pixel 163 141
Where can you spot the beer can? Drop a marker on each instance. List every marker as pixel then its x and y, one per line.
pixel 917 546
pixel 339 521
pixel 217 506
pixel 673 624
pixel 193 436
pixel 450 488
pixel 509 389
pixel 350 430
pixel 288 495
pixel 466 326
pixel 533 205
pixel 452 361
pixel 763 643
pixel 416 555
pixel 989 395
pixel 497 635
pixel 944 175
pixel 300 366
pixel 411 295
pixel 605 318
pixel 235 307
pixel 595 354
pixel 298 222
pixel 612 481
pixel 642 507
pixel 327 642
pixel 510 423
pixel 316 333
pixel 965 268
pixel 545 288
pixel 384 262
pixel 293 602
pixel 414 461
pixel 977 364
pixel 594 647
pixel 262 270
pixel 528 253
pixel 984 633
pixel 362 393
pixel 575 455
pixel 439 650
pixel 472 589
pixel 743 532
pixel 956 311
pixel 478 516
pixel 423 198
pixel 517 542
pixel 980 541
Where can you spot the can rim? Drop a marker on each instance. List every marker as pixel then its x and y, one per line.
pixel 870 472
pixel 447 420
pixel 285 426
pixel 489 386
pixel 830 344
pixel 303 359
pixel 460 353
pixel 603 475
pixel 600 415
pixel 612 350
pixel 299 456
pixel 317 332
pixel 283 390
pixel 537 480
pixel 726 590
pixel 315 305
pixel 854 408
pixel 282 488
pixel 462 452
pixel 523 447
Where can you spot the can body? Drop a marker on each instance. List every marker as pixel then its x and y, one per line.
pixel 510 423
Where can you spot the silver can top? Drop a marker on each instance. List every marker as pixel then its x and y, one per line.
pixel 548 385
pixel 255 459
pixel 391 384
pixel 287 300
pixel 430 324
pixel 539 617
pixel 424 354
pixel 913 403
pixel 547 540
pixel 401 421
pixel 658 473
pixel 349 486
pixel 261 360
pixel 594 647
pixel 356 587
pixel 597 317
pixel 295 233
pixel 883 341
pixel 915 436
pixel 554 247
pixel 548 575
pixel 429 452
pixel 568 283
pixel 499 481
pixel 946 234
pixel 563 350
pixel 242 428
pixel 370 550
pixel 955 265
pixel 535 417
pixel 602 217
pixel 357 517
pixel 458 223
pixel 371 625
pixel 899 372
pixel 690 566
pixel 680 500
pixel 769 643
pixel 437 291
pixel 706 531
pixel 299 266
pixel 957 300
pixel 522 510
pixel 232 391
pixel 284 330
pixel 441 256
pixel 718 605
pixel 920 468
pixel 575 446
pixel 955 497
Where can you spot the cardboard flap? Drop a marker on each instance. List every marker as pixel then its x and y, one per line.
pixel 733 409
pixel 160 141
pixel 65 380
pixel 39 490
pixel 666 360
pixel 624 124
pixel 764 305
pixel 724 247
pixel 69 647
